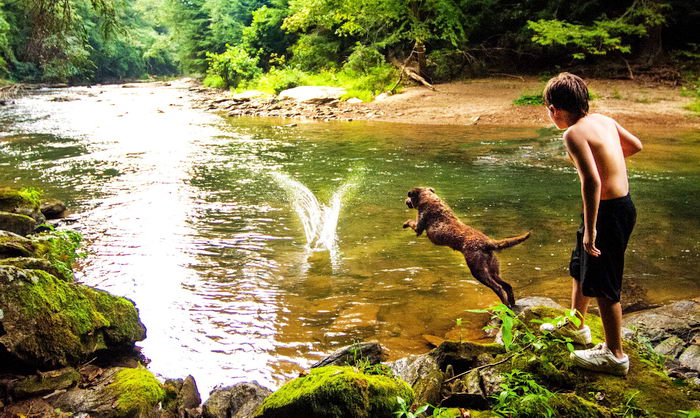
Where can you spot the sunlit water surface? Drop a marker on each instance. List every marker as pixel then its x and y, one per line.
pixel 253 249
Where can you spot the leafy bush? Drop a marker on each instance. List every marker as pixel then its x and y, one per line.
pixel 445 64
pixel 276 80
pixel 363 59
pixel 233 66
pixel 529 99
pixel 314 52
pixel 214 81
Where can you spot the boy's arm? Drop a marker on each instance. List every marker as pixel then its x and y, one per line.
pixel 581 154
pixel 630 143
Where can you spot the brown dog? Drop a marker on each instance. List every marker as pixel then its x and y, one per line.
pixel 443 228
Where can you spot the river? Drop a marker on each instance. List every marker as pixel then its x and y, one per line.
pixel 214 226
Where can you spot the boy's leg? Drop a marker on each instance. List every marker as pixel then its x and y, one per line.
pixel 579 301
pixel 611 315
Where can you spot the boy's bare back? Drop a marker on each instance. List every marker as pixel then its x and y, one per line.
pixel 598 145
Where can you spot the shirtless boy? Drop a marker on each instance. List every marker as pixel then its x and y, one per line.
pixel 598 146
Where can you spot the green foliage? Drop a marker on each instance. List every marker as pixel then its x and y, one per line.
pixel 522 396
pixel 529 99
pixel 233 66
pixel 446 64
pixel 363 60
pixel 31 195
pixel 404 410
pixel 60 248
pixel 314 52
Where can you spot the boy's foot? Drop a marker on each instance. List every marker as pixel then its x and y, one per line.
pixel 578 336
pixel 601 359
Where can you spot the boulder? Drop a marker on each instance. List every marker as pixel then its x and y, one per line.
pixel 671 346
pixel 13 245
pixel 237 401
pixel 312 94
pixel 371 352
pixel 691 358
pixel 118 391
pixel 53 209
pixel 49 323
pixel 23 202
pixel 423 373
pixel 16 223
pixel 33 263
pixel 530 302
pixel 182 397
pixel 334 391
pixel 681 319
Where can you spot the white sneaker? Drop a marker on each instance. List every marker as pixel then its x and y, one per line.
pixel 601 359
pixel 578 336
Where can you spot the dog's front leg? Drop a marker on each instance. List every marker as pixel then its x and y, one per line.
pixel 410 224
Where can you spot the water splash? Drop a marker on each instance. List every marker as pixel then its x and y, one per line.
pixel 320 222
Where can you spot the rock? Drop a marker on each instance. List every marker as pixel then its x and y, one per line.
pixel 48 323
pixel 463 356
pixel 334 391
pixel 47 382
pixel 423 374
pixel 691 358
pixel 183 398
pixel 237 401
pixel 32 263
pixel 312 94
pixel 117 392
pixel 382 97
pixel 671 346
pixel 19 224
pixel 371 352
pixel 681 319
pixel 530 302
pixel 22 202
pixel 13 245
pixel 53 209
pixel 354 100
pixel 465 392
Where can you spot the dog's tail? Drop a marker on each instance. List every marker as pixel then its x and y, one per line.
pixel 501 244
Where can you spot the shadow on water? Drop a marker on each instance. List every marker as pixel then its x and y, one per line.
pixel 252 249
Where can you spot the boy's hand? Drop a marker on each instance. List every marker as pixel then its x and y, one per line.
pixel 589 242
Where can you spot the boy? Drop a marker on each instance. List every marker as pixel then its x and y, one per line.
pixel 598 146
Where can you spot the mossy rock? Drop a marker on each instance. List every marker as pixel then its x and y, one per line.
pixel 136 391
pixel 33 263
pixel 41 384
pixel 646 387
pixel 13 245
pixel 117 392
pixel 23 201
pixel 12 199
pixel 49 323
pixel 334 391
pixel 14 222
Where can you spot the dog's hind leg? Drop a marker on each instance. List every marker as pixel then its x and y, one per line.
pixel 495 273
pixel 479 267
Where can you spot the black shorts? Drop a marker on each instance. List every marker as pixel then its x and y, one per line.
pixel 602 276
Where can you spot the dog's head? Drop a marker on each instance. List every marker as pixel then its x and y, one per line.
pixel 415 195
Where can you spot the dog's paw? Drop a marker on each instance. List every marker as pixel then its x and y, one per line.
pixel 407 224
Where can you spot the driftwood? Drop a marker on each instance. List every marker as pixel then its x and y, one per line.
pixel 410 73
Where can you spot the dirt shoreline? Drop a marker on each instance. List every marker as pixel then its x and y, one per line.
pixel 487 101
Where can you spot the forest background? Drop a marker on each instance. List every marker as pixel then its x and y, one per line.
pixel 363 45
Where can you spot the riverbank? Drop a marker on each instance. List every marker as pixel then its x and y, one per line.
pixel 487 101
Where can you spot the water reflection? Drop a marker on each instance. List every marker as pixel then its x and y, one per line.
pixel 252 250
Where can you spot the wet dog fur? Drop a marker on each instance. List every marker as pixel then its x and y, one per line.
pixel 443 228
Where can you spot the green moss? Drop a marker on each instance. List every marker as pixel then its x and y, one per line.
pixel 32 263
pixel 137 391
pixel 585 393
pixel 71 321
pixel 11 199
pixel 59 247
pixel 334 391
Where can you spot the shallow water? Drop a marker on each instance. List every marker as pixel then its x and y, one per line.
pixel 196 218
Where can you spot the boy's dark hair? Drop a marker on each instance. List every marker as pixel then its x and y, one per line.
pixel 568 92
